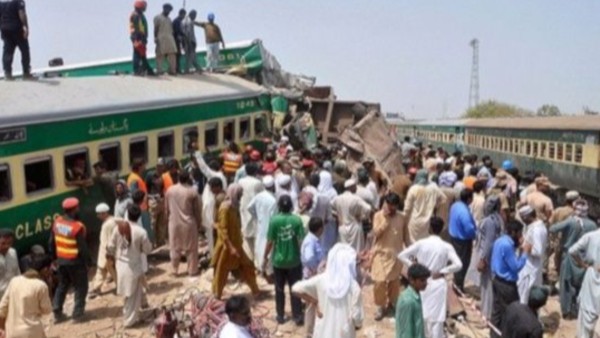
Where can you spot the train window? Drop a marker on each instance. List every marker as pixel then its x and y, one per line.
pixel 578 153
pixel 190 139
pixel 244 128
pixel 535 149
pixel 229 131
pixel 543 149
pixel 551 150
pixel 77 165
pixel 516 150
pixel 568 152
pixel 5 186
pixel 166 144
pixel 210 135
pixel 138 149
pixel 559 151
pixel 528 148
pixel 39 174
pixel 110 154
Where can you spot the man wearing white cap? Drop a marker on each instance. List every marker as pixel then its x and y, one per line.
pixel 284 187
pixel 261 208
pixel 104 267
pixel 349 209
pixel 284 147
pixel 251 186
pixel 536 235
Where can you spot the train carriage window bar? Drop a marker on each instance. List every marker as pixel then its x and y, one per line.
pixel 522 146
pixel 210 135
pixel 528 148
pixel 5 183
pixel 245 128
pixel 543 149
pixel 166 144
pixel 190 139
pixel 110 153
pixel 551 150
pixel 569 152
pixel 138 149
pixel 229 131
pixel 77 167
pixel 39 174
pixel 559 151
pixel 578 153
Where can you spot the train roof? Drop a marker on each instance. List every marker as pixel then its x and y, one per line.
pixel 581 122
pixel 443 122
pixel 56 99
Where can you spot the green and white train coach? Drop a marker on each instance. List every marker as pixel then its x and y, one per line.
pixel 565 148
pixel 48 124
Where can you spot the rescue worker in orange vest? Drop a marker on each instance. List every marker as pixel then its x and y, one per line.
pixel 135 181
pixel 171 176
pixel 69 248
pixel 232 160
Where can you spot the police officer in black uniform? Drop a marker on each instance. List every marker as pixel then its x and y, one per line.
pixel 15 34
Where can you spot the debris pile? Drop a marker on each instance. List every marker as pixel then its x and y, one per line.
pixel 198 315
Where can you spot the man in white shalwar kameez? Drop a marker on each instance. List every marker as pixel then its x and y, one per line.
pixel 208 198
pixel 261 208
pixel 350 210
pixel 251 186
pixel 128 245
pixel 283 186
pixel 586 253
pixel 536 234
pixel 327 193
pixel 336 294
pixel 433 253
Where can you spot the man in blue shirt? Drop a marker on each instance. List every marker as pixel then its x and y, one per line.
pixel 505 267
pixel 312 256
pixel 462 233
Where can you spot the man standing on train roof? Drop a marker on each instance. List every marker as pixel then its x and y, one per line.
pixel 9 263
pixel 68 246
pixel 165 42
pixel 15 34
pixel 179 37
pixel 190 43
pixel 213 36
pixel 138 33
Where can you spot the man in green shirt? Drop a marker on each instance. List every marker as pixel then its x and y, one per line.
pixel 409 312
pixel 285 236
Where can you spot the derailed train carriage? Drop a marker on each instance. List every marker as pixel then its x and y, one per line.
pixel 48 125
pixel 565 148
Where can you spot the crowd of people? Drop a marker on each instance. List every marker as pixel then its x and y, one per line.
pixel 173 39
pixel 303 220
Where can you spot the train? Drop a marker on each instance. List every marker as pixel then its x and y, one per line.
pixel 564 148
pixel 46 126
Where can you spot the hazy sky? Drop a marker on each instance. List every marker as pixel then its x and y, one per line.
pixel 412 56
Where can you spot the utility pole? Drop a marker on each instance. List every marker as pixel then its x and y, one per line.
pixel 474 89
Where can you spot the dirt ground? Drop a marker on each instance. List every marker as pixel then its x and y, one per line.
pixel 104 312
